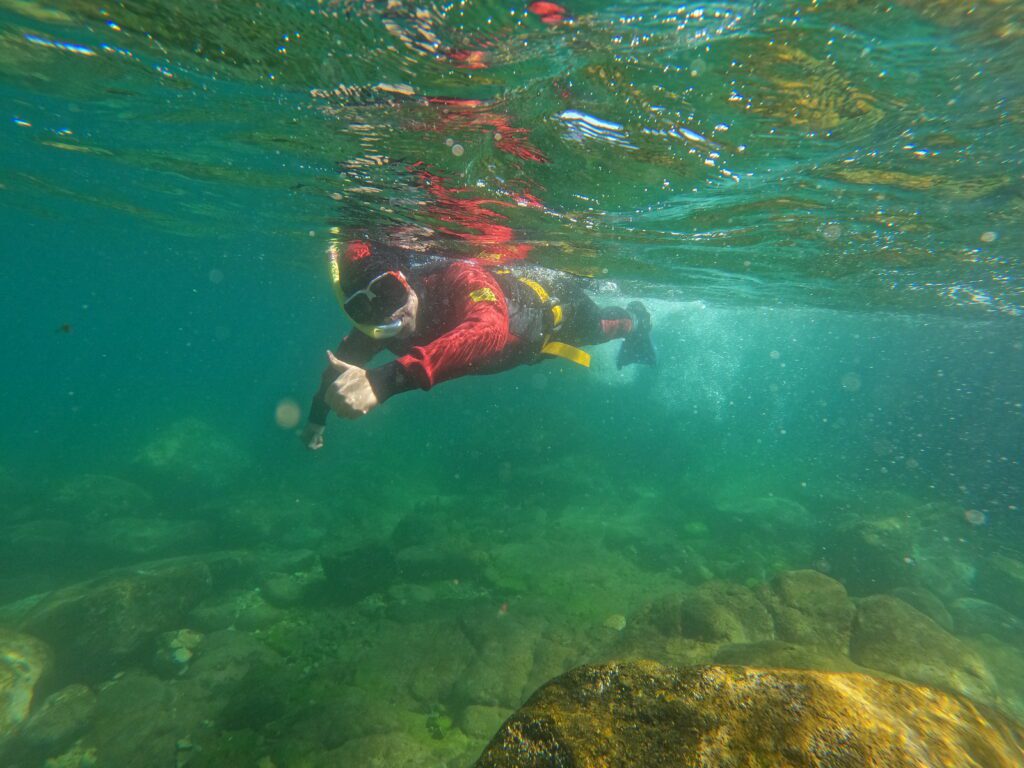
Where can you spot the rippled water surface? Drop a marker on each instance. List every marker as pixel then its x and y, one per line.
pixel 854 154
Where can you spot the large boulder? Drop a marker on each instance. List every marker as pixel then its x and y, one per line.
pixel 891 636
pixel 645 714
pixel 94 626
pixel 23 661
pixel 810 609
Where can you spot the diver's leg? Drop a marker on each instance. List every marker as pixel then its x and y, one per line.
pixel 585 323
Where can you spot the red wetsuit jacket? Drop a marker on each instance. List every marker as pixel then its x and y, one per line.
pixel 462 328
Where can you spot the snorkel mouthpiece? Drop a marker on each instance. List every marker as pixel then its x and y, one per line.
pixel 384 331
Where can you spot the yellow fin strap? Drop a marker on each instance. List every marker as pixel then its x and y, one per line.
pixel 572 354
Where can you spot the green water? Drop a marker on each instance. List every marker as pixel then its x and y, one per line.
pixel 820 203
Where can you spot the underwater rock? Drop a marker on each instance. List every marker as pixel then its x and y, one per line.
pixel 615 621
pixel 778 653
pixel 98 497
pixel 921 548
pixel 927 603
pixel 190 452
pixel 978 617
pixel 62 718
pixel 130 539
pixel 244 609
pixel 139 720
pixel 394 750
pixel 498 674
pixel 773 514
pixel 94 626
pixel 347 712
pixel 23 661
pixel 353 574
pixel 481 722
pixel 891 636
pixel 809 609
pixel 1001 581
pixel 873 555
pixel 174 651
pixel 284 590
pixel 715 612
pixel 426 563
pixel 227 658
pixel 651 715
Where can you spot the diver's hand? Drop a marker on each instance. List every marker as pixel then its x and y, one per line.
pixel 313 436
pixel 350 395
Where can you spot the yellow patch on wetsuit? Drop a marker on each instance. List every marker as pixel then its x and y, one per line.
pixel 483 294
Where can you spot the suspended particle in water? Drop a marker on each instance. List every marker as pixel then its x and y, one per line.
pixel 850 382
pixel 989 237
pixel 774 354
pixel 497 136
pixel 975 516
pixel 831 231
pixel 216 276
pixel 457 150
pixel 698 67
pixel 449 142
pixel 287 414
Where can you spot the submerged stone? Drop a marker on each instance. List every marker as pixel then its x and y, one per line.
pixel 927 603
pixel 811 609
pixel 1001 581
pixel 191 452
pixel 645 714
pixel 98 497
pixel 353 574
pixel 61 719
pixel 891 636
pixel 978 617
pixel 94 626
pixel 716 612
pixel 23 661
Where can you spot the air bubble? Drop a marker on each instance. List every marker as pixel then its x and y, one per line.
pixel 457 150
pixel 287 414
pixel 831 231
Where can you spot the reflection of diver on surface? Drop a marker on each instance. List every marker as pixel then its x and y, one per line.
pixel 444 319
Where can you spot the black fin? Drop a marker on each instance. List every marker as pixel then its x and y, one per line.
pixel 637 346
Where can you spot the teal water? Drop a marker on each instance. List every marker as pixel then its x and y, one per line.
pixel 820 202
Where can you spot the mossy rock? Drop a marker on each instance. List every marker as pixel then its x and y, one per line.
pixel 645 714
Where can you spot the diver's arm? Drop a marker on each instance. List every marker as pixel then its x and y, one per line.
pixel 355 349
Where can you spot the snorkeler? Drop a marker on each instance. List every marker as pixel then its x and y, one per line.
pixel 445 318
